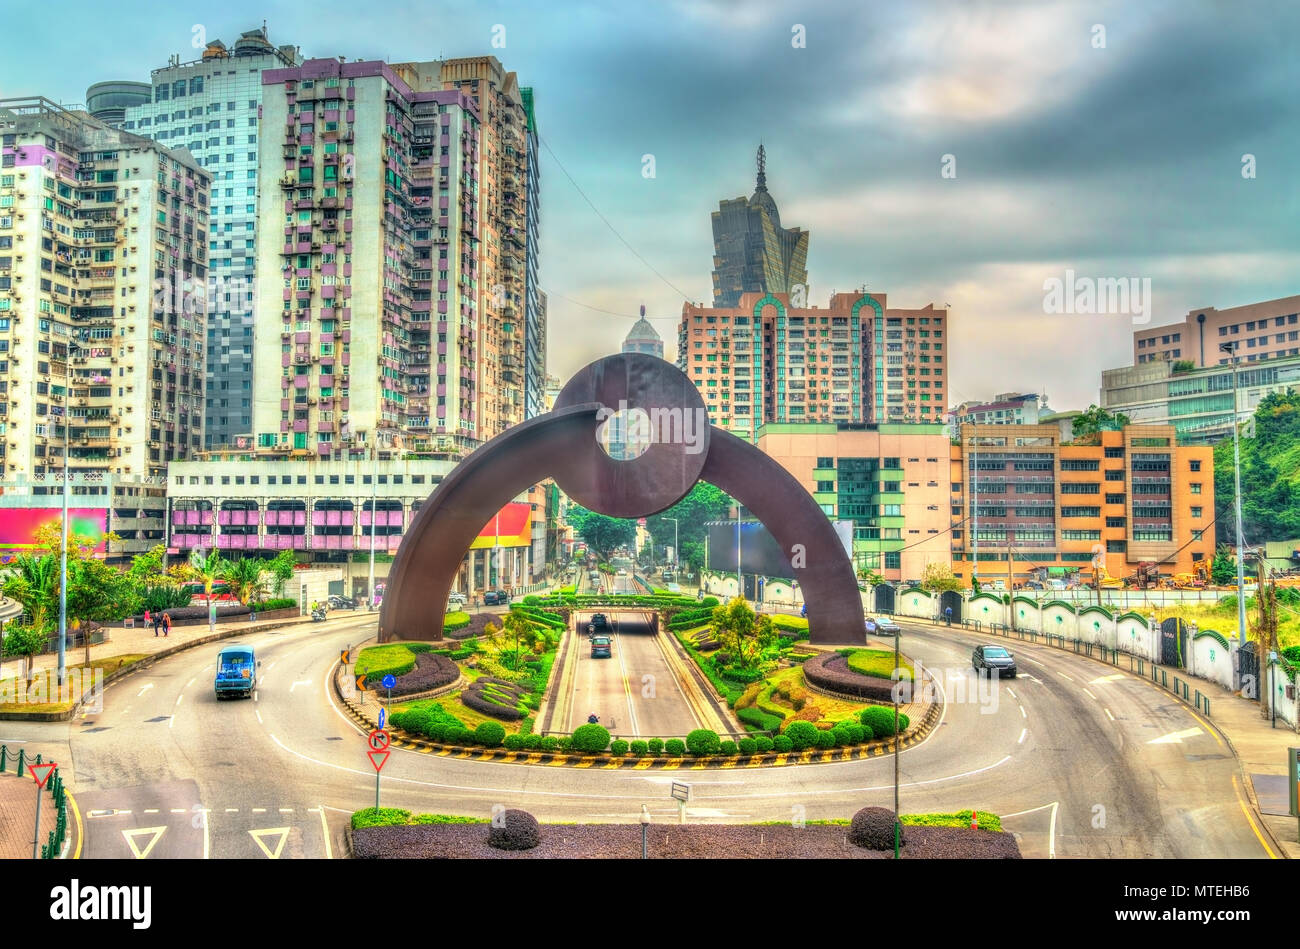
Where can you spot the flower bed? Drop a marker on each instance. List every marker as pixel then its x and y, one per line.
pixel 432 671
pixel 830 671
pixel 496 697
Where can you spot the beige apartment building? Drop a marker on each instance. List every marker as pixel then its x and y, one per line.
pixel 1267 330
pixel 103 296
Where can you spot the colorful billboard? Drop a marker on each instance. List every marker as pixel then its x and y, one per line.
pixel 513 524
pixel 18 526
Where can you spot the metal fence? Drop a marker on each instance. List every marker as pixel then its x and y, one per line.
pixel 53 847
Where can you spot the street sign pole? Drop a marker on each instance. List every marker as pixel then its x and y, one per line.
pixel 1293 774
pixel 40 778
pixel 36 837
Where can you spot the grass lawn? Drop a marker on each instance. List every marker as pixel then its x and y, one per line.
pixel 985 821
pixel 1223 619
pixel 9 686
pixel 878 663
pixel 379 660
pixel 833 709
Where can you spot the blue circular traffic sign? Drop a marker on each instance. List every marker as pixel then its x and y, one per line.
pixel 389 681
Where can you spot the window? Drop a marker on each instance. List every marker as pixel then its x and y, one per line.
pixel 1198 512
pixel 1194 465
pixel 1115 522
pixel 1115 452
pixel 1116 546
pixel 1116 474
pixel 823 462
pixel 1195 487
pixel 893 560
pixel 825 485
pixel 1114 499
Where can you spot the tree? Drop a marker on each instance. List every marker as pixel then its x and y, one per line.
pixel 1223 569
pixel 205 569
pixel 1270 475
pixel 703 503
pixel 147 568
pixel 604 534
pixel 937 577
pixel 33 581
pixel 244 578
pixel 1095 419
pixel 25 640
pixel 516 627
pixel 741 634
pixel 281 567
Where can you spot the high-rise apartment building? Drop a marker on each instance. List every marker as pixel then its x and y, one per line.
pixel 752 252
pixel 534 299
pixel 211 106
pixel 1267 330
pixel 103 242
pixel 370 213
pixel 1006 408
pixel 108 101
pixel 767 361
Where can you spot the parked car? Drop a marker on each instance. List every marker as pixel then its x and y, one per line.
pixel 993 658
pixel 495 598
pixel 999 585
pixel 339 602
pixel 882 626
pixel 455 596
pixel 600 647
pixel 236 671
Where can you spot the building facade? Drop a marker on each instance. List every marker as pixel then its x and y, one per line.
pixel 102 233
pixel 766 361
pixel 369 214
pixel 1267 330
pixel 752 252
pixel 1022 500
pixel 1006 408
pixel 108 101
pixel 1199 403
pixel 643 338
pixel 534 298
pixel 890 480
pixel 212 106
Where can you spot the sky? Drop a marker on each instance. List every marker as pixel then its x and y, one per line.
pixel 954 153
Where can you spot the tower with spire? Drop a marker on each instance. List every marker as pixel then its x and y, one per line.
pixel 752 252
pixel 642 338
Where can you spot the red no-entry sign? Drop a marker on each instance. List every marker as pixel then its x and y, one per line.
pixel 379 740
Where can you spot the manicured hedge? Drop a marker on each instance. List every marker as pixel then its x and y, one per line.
pixel 490 734
pixel 618 748
pixel 655 746
pixel 830 671
pixel 454 621
pixel 590 738
pixel 375 662
pixel 432 671
pixel 675 747
pixel 381 817
pixel 876 662
pixel 703 741
pixel 639 747
pixel 801 735
pixel 759 719
pixel 880 720
pixel 496 697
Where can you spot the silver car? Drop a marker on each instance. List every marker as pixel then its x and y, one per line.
pixel 882 626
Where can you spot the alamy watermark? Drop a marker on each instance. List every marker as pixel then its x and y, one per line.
pixel 1113 296
pixel 626 432
pixel 79 685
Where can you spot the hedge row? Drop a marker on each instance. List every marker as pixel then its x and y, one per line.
pixel 432 671
pixel 496 697
pixel 454 621
pixel 543 617
pixel 831 671
pixel 375 662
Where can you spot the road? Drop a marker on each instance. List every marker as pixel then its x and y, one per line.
pixel 1080 759
pixel 634 692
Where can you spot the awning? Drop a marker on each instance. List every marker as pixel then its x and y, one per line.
pixel 1058 571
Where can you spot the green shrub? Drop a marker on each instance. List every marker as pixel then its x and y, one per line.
pixel 514 742
pixel 703 741
pixel 590 738
pixel 375 662
pixel 549 743
pixel 618 748
pixel 759 719
pixel 747 746
pixel 763 743
pixel 655 746
pixel 383 817
pixel 709 602
pixel 675 747
pixel 867 733
pixel 801 734
pixel 843 737
pixel 458 735
pixel 566 743
pixel 490 734
pixel 436 731
pixel 639 747
pixel 532 599
pixel 880 719
pixel 782 744
pixel 729 748
pixel 825 739
pixel 446 819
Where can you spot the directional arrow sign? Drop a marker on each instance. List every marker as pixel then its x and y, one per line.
pixel 130 836
pixel 42 772
pixel 361 683
pixel 378 759
pixel 383 713
pixel 389 681
pixel 1175 738
pixel 281 832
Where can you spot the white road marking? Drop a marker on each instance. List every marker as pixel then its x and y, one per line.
pixel 259 810
pixel 178 810
pixel 1027 659
pixel 1021 739
pixel 1064 676
pixel 151 810
pixel 298 683
pixel 1051 832
pixel 232 810
pixel 255 694
pixel 1023 713
pixel 190 683
pixel 325 832
pixel 178 699
pixel 1176 738
pixel 1089 694
pixel 1108 715
pixel 147 686
pixel 1010 693
pixel 171 720
pixel 286 810
pixel 259 716
pixel 1114 677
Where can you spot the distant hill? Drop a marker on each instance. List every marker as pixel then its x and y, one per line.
pixel 1270 475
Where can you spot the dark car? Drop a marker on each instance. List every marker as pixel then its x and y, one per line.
pixel 599 621
pixel 495 598
pixel 882 626
pixel 600 648
pixel 993 658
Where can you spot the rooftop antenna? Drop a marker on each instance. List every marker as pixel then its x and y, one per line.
pixel 762 167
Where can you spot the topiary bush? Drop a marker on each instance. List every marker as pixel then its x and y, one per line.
pixel 873 829
pixel 590 738
pixel 383 817
pixel 880 719
pixel 801 735
pixel 729 748
pixel 782 744
pixel 490 734
pixel 566 743
pixel 655 746
pixel 618 748
pixel 639 747
pixel 747 746
pixel 514 830
pixel 825 739
pixel 703 741
pixel 514 742
pixel 675 747
pixel 762 743
pixel 549 743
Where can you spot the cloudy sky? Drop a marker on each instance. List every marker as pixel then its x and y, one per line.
pixel 1103 138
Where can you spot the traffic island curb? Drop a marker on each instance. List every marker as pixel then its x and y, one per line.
pixel 913 736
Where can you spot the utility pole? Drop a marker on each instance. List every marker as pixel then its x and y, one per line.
pixel 374 497
pixel 1231 347
pixel 975 511
pixel 63 568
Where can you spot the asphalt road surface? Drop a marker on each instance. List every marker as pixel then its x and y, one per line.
pixel 634 692
pixel 1080 759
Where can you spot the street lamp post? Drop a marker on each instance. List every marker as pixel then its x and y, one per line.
pixel 1231 347
pixel 677 554
pixel 63 567
pixel 374 498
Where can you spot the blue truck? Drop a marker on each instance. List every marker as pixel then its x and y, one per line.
pixel 236 671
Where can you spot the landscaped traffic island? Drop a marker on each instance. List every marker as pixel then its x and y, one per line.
pixel 390 833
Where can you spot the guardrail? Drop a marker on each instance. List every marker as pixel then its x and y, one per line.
pixel 53 847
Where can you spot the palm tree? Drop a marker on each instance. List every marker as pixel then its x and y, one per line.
pixel 244 578
pixel 205 569
pixel 34 582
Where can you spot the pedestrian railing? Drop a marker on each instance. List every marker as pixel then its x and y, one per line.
pixel 53 847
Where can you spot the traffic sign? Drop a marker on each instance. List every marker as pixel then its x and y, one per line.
pixel 379 739
pixel 42 772
pixel 389 681
pixel 361 683
pixel 378 759
pixel 383 714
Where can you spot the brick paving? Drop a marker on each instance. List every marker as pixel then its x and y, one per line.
pixel 18 816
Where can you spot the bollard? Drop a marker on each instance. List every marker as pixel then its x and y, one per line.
pixel 22 762
pixel 38 758
pixel 4 754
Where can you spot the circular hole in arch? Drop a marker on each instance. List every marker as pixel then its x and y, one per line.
pixel 626 434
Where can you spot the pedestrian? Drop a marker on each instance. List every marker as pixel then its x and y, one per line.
pixel 167 624
pixel 947 612
pixel 148 621
pixel 157 623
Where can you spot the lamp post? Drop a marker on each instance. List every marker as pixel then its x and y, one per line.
pixel 63 553
pixel 1231 348
pixel 645 830
pixel 676 551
